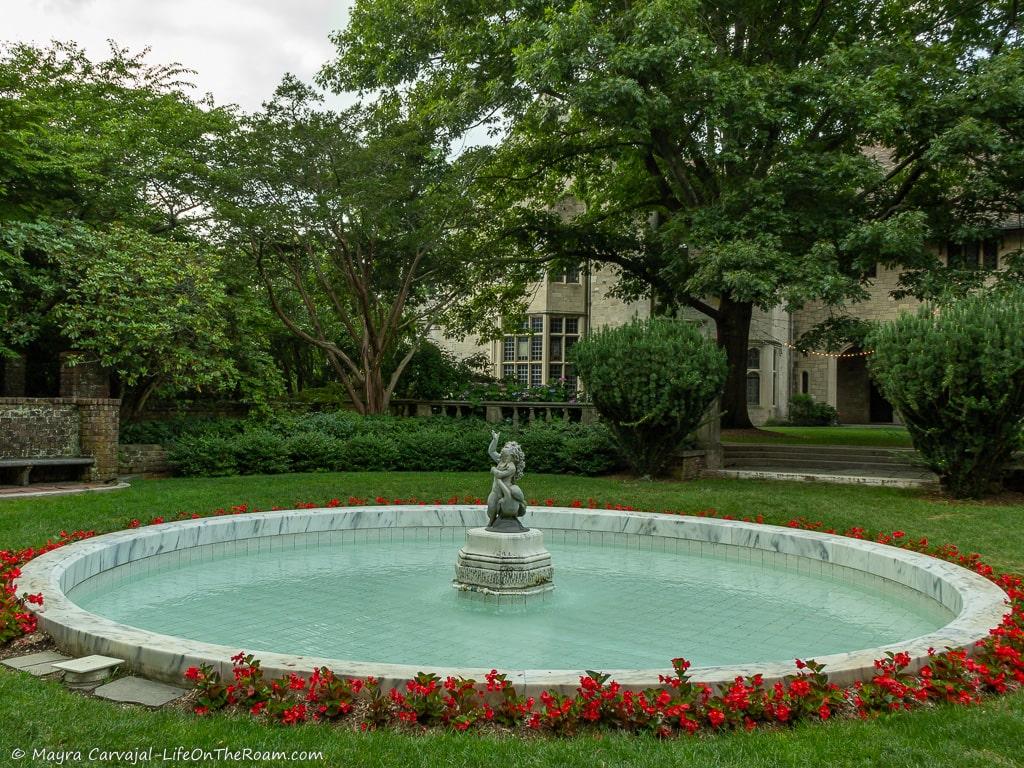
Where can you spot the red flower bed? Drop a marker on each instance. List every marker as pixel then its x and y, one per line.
pixel 678 706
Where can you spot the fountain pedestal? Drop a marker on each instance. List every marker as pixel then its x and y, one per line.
pixel 498 563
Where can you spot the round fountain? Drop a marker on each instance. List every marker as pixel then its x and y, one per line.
pixel 505 562
pixel 368 591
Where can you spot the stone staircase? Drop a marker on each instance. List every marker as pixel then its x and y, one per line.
pixel 836 463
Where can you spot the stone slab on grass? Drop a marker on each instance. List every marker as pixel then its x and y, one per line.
pixel 88 670
pixel 37 664
pixel 138 690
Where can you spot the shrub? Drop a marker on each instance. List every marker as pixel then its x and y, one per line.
pixel 652 381
pixel 167 431
pixel 348 442
pixel 955 373
pixel 313 451
pixel 434 373
pixel 804 411
pixel 203 456
pixel 261 452
pixel 372 452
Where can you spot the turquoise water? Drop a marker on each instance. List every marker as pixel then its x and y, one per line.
pixel 613 608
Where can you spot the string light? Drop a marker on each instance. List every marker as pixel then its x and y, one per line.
pixel 862 353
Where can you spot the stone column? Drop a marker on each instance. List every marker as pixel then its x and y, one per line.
pixel 709 436
pixel 13 384
pixel 98 434
pixel 85 379
pixel 493 414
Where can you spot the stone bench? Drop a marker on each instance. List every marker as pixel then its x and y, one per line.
pixel 25 466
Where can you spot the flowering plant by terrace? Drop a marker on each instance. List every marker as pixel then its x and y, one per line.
pixel 678 707
pixel 16 616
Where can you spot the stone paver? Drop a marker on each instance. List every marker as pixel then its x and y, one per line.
pixel 36 663
pixel 55 489
pixel 137 690
pixel 88 670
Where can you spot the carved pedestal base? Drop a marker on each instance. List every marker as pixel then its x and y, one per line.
pixel 500 564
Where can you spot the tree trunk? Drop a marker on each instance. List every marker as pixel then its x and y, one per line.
pixel 734 337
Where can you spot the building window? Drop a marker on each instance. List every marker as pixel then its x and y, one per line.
pixel 568 276
pixel 776 356
pixel 990 255
pixel 805 382
pixel 754 376
pixel 526 351
pixel 973 254
pixel 563 333
pixel 753 388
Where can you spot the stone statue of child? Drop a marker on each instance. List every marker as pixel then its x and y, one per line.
pixel 506 500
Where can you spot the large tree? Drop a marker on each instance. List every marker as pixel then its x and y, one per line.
pixel 363 232
pixel 104 170
pixel 716 149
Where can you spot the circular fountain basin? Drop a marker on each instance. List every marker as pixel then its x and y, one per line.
pixel 366 591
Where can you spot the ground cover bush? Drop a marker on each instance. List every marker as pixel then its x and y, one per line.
pixel 343 441
pixel 956 375
pixel 652 381
pixel 804 411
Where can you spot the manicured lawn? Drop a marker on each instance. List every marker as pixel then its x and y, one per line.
pixel 883 437
pixel 41 714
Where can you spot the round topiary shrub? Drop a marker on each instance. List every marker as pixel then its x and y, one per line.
pixel 955 373
pixel 652 382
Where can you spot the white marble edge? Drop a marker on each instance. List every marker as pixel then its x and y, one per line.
pixel 978 604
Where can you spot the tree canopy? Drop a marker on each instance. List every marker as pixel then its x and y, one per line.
pixel 363 232
pixel 104 169
pixel 724 155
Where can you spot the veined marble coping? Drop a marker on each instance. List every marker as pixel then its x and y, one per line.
pixel 976 603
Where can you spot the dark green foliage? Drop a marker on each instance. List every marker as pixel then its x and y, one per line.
pixel 261 452
pixel 208 455
pixel 167 431
pixel 312 451
pixel 372 452
pixel 804 411
pixel 435 374
pixel 955 373
pixel 652 381
pixel 342 441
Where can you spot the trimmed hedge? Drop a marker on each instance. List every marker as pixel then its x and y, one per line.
pixel 955 373
pixel 652 381
pixel 342 442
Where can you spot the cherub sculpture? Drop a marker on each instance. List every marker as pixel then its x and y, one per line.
pixel 506 503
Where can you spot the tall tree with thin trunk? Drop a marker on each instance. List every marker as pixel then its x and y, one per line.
pixel 362 232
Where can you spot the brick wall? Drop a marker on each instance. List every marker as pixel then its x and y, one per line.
pixel 55 427
pixel 13 381
pixel 142 459
pixel 84 379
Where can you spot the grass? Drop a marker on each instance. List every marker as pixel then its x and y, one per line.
pixel 38 713
pixel 882 437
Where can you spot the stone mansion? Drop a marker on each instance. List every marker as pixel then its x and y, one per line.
pixel 564 307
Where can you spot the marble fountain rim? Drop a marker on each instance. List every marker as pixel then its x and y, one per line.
pixel 977 603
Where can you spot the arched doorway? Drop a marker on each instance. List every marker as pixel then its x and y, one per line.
pixel 858 400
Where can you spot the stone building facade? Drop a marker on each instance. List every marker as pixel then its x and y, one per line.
pixel 564 307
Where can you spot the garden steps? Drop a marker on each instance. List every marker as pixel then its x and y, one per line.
pixel 826 463
pixel 820 456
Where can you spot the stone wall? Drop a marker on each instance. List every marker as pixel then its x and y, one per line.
pixel 142 459
pixel 86 378
pixel 36 427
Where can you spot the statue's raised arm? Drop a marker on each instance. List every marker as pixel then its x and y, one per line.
pixel 492 449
